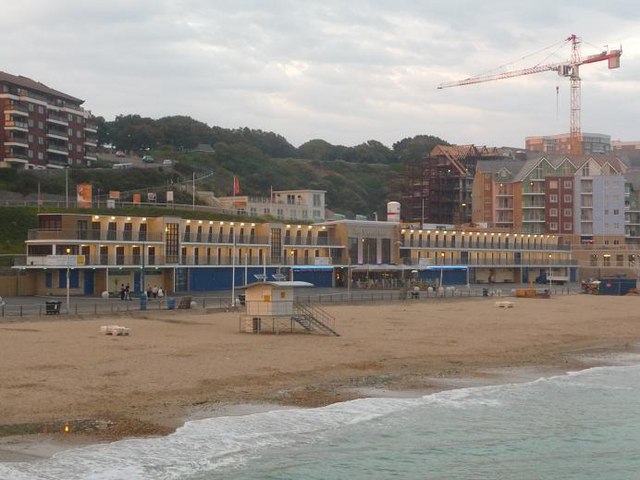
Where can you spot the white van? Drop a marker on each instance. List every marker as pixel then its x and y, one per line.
pixel 167 162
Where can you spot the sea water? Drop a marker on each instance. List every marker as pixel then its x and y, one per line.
pixel 582 425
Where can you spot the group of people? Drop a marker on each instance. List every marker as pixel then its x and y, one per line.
pixel 155 292
pixel 125 292
pixel 152 292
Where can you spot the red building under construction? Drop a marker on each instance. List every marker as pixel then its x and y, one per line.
pixel 437 189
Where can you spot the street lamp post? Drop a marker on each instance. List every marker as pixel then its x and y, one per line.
pixel 68 278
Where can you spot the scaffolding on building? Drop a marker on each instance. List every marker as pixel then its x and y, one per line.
pixel 437 189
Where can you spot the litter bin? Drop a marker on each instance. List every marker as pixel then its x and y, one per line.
pixel 242 298
pixel 171 303
pixel 143 301
pixel 53 307
pixel 485 292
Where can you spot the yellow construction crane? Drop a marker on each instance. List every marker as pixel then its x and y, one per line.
pixel 569 68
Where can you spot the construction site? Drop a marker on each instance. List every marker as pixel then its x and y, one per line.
pixel 437 189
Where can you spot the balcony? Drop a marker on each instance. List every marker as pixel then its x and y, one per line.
pixel 55 118
pixel 500 262
pixel 57 134
pixel 312 242
pixel 15 141
pixel 95 235
pixel 13 156
pixel 16 125
pixel 16 109
pixel 91 128
pixel 204 237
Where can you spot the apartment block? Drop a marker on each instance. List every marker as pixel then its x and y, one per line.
pixel 41 127
pixel 283 205
pixel 552 194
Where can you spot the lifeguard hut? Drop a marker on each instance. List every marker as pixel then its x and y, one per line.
pixel 271 308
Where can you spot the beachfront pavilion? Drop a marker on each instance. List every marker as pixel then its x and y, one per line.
pixel 101 252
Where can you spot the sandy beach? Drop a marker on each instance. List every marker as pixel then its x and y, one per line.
pixel 180 365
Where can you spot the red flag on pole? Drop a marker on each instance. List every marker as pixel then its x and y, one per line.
pixel 236 186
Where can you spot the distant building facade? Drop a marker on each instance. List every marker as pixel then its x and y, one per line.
pixel 43 128
pixel 577 197
pixel 591 143
pixel 284 205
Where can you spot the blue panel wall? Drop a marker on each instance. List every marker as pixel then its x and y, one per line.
pixel 74 278
pixel 449 277
pixel 319 277
pixel 212 279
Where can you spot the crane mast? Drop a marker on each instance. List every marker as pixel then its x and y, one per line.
pixel 569 68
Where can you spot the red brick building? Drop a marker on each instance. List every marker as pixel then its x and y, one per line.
pixel 42 127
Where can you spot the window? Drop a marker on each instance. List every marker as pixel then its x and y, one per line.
pixel 567 212
pixel 41 125
pixel 593 261
pixel 553 212
pixel 606 260
pixel 316 199
pixel 31 107
pixel 616 211
pixel 568 227
pixel 40 109
pixel 568 199
pixel 142 232
pixel 553 184
pixel 619 260
pixel 171 242
pixel 567 184
pixel 538 172
pixel 553 198
pixel 127 232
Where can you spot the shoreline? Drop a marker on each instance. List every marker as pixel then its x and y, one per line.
pixel 385 350
pixel 36 447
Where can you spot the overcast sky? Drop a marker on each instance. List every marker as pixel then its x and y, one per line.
pixel 343 71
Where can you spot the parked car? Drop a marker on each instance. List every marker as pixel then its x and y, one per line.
pixel 120 154
pixel 167 162
pixel 148 159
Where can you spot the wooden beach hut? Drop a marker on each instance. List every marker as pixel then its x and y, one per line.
pixel 271 308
